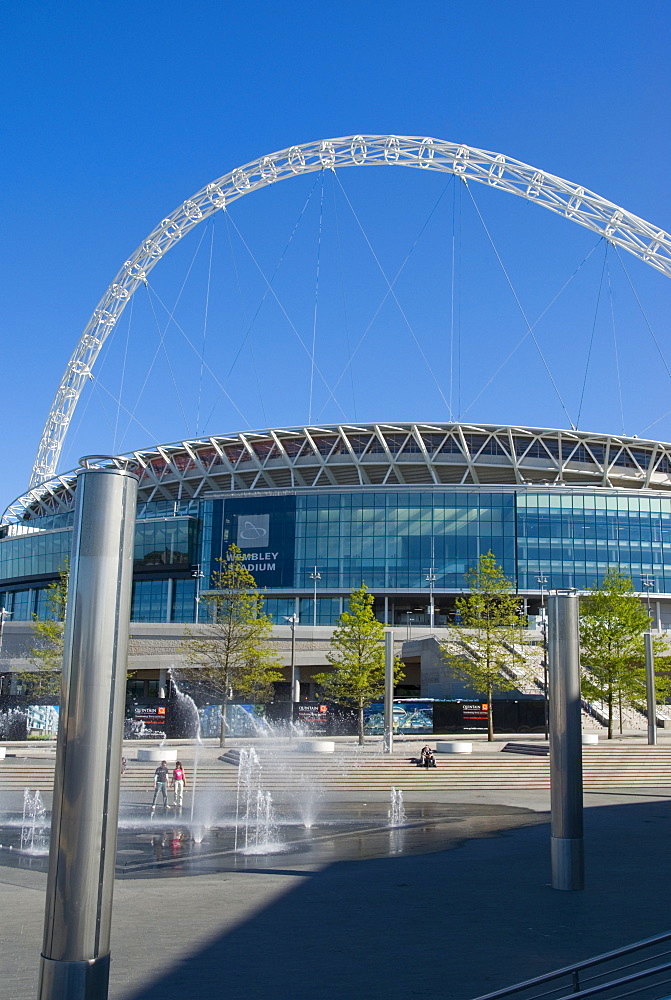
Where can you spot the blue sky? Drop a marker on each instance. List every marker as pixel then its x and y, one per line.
pixel 114 114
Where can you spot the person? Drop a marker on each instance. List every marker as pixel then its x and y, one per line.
pixel 161 784
pixel 426 758
pixel 178 783
pixel 124 765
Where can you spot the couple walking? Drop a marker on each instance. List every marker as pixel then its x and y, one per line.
pixel 161 777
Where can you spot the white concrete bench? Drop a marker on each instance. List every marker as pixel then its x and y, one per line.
pixel 157 753
pixel 453 746
pixel 315 746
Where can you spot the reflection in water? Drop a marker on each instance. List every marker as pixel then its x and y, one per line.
pixel 170 846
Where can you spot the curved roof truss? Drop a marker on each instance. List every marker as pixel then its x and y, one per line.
pixel 376 456
pixel 584 207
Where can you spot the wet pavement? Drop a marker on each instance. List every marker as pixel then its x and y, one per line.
pixel 168 844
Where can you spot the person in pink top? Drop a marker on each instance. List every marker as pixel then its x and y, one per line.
pixel 178 782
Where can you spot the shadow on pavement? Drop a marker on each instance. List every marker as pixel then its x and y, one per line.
pixel 453 924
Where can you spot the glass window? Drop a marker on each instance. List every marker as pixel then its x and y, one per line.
pixel 149 603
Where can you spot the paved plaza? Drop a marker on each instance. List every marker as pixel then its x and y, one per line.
pixel 455 904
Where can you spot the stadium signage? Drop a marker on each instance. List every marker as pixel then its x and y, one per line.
pixel 254 566
pixel 263 529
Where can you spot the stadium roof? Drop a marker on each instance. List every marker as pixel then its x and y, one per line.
pixel 371 455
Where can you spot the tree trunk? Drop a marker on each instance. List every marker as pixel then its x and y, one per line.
pixel 610 715
pixel 360 725
pixel 490 717
pixel 222 728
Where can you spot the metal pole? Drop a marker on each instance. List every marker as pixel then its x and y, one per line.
pixel 544 626
pixel 431 579
pixel 650 689
pixel 388 691
pixel 567 847
pixel 295 675
pixel 197 575
pixel 314 575
pixel 76 951
pixel 3 614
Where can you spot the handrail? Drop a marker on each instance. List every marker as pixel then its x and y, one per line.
pixel 577 967
pixel 622 981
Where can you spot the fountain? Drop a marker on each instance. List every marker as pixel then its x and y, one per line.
pixel 397 811
pixel 254 813
pixel 35 825
pixel 13 724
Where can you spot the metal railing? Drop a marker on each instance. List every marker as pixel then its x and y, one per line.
pixel 641 970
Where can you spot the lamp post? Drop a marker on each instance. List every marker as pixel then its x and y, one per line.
pixel 295 681
pixel 314 576
pixel 198 575
pixel 409 624
pixel 649 584
pixel 3 614
pixel 542 581
pixel 651 697
pixel 431 579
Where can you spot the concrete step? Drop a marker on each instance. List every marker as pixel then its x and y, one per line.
pixel 603 767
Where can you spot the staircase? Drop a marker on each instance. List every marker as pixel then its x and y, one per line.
pixel 345 771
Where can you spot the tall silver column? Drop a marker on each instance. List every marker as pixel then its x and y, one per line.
pixel 567 847
pixel 388 691
pixel 78 914
pixel 650 689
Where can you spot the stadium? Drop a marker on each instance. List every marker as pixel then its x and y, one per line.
pixel 316 511
pixel 406 508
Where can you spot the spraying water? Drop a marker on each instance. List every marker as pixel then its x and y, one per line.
pixel 397 810
pixel 34 831
pixel 191 712
pixel 255 823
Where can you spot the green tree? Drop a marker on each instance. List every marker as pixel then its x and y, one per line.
pixel 47 653
pixel 357 659
pixel 490 625
pixel 612 646
pixel 232 648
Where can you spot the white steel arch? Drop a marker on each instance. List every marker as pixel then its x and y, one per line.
pixel 635 235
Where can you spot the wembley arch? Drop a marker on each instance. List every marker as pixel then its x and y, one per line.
pixel 647 242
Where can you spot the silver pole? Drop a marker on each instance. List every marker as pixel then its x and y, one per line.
pixel 567 847
pixel 431 579
pixel 388 691
pixel 650 689
pixel 295 674
pixel 78 914
pixel 314 575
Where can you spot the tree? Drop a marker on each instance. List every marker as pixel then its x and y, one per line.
pixel 489 627
pixel 358 658
pixel 232 649
pixel 612 646
pixel 47 653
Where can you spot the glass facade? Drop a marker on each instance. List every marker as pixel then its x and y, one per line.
pixel 165 542
pixel 387 539
pixel 41 553
pixel 573 539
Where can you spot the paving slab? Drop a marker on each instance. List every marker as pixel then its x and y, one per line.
pixel 474 914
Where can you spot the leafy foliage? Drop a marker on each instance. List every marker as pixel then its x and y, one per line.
pixel 357 659
pixel 489 627
pixel 47 653
pixel 232 649
pixel 612 646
